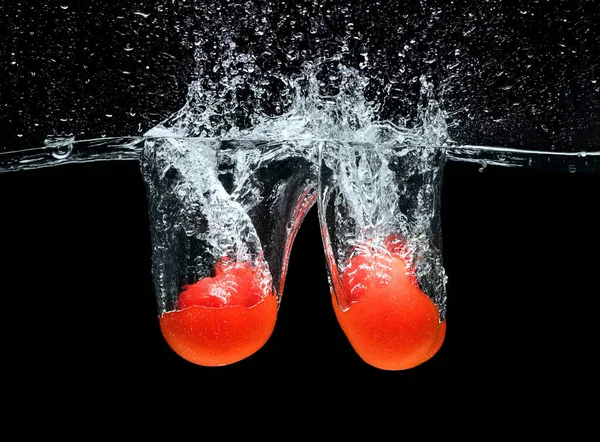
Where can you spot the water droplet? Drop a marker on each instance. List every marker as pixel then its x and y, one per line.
pixel 583 154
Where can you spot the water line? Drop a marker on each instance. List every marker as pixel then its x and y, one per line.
pixel 129 148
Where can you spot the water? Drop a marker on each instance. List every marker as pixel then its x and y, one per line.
pixel 278 110
pixel 210 174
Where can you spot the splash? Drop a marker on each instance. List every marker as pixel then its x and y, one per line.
pixel 326 101
pixel 371 161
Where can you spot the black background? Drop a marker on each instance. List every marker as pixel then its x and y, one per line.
pixel 520 249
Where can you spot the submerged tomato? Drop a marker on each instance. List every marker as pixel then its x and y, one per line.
pixel 390 322
pixel 222 319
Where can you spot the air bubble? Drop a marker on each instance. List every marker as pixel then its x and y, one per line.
pixel 62 151
pixel 572 168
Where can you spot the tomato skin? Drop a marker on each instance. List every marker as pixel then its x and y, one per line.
pixel 223 319
pixel 392 325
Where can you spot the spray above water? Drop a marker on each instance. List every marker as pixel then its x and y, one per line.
pixel 326 101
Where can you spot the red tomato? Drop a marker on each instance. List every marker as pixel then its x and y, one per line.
pixel 390 322
pixel 222 319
